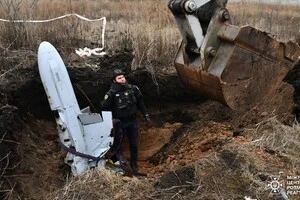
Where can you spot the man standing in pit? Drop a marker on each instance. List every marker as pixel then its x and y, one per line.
pixel 124 100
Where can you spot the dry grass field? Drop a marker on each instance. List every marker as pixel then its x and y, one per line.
pixel 145 28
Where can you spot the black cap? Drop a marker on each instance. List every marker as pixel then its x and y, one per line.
pixel 116 72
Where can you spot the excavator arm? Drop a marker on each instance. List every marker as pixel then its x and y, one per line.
pixel 237 66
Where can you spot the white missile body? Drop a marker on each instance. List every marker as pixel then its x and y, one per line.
pixel 85 135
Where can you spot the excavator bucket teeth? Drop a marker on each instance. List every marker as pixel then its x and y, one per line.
pixel 238 66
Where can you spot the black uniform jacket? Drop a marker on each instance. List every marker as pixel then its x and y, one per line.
pixel 123 101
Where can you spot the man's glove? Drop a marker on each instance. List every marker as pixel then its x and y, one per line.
pixel 147 118
pixel 149 121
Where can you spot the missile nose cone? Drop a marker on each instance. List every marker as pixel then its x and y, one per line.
pixel 45 47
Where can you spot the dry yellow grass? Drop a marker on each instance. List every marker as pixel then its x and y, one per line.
pixel 275 137
pixel 230 174
pixel 102 184
pixel 146 28
pixel 279 20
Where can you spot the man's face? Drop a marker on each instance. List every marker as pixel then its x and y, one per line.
pixel 120 79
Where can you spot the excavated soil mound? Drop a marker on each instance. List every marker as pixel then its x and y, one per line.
pixel 185 127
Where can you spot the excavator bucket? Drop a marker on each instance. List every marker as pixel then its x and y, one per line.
pixel 237 66
pixel 246 65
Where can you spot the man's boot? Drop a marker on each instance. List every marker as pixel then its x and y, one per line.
pixel 134 166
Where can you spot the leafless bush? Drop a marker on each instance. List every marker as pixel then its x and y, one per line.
pixel 15 34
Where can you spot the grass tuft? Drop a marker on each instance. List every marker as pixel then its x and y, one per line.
pixel 102 184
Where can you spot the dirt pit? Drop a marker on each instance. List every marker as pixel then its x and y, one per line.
pixel 186 128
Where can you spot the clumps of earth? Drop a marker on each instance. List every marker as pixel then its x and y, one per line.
pixel 195 148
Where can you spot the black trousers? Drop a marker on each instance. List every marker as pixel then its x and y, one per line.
pixel 121 128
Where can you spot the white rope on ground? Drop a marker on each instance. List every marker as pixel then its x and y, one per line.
pixel 81 52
